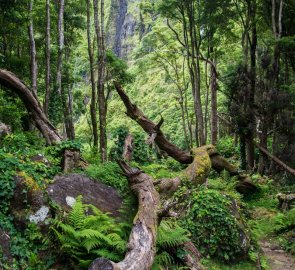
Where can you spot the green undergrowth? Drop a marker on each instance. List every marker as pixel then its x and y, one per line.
pixel 84 237
pixel 110 174
pixel 215 265
pixel 16 154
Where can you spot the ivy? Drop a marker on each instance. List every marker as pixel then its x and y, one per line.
pixel 214 230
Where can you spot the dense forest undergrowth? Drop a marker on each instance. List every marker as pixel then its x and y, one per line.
pixel 73 241
pixel 147 134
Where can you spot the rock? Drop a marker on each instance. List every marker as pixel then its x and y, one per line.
pixel 286 200
pixel 67 187
pixel 5 248
pixel 27 200
pixel 39 158
pixel 245 186
pixel 4 130
pixel 244 237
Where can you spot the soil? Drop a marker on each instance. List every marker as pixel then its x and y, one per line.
pixel 278 258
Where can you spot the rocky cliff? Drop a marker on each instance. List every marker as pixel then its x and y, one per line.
pixel 124 27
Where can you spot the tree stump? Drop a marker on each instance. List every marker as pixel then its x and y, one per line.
pixel 286 200
pixel 70 160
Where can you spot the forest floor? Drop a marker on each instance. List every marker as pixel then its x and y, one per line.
pixel 278 259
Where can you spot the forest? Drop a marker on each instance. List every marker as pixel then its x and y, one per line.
pixel 147 134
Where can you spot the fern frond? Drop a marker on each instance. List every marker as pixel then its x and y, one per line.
pixel 171 235
pixel 162 261
pixel 77 215
pixel 117 242
pixel 108 254
pixel 91 243
pixel 84 263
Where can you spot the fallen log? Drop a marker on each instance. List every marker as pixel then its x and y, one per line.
pixel 152 129
pixel 142 240
pixel 275 159
pixel 13 83
pixel 200 160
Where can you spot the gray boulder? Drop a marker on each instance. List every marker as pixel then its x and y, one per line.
pixel 66 188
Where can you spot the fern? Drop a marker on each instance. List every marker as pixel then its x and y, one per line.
pixel 86 237
pixel 170 235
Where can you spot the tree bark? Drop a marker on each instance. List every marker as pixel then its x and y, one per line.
pixel 13 83
pixel 151 128
pixel 60 45
pixel 48 55
pixel 93 107
pixel 250 108
pixel 33 52
pixel 142 240
pixel 214 120
pixel 102 108
pixel 128 148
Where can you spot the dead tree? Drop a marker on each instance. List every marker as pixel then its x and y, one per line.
pixel 142 240
pixel 128 148
pixel 200 160
pixel 152 129
pixel 13 83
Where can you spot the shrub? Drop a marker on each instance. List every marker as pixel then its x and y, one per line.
pixel 110 174
pixel 214 230
pixel 226 147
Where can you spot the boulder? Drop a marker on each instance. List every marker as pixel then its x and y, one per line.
pixel 39 158
pixel 66 188
pixel 4 130
pixel 28 202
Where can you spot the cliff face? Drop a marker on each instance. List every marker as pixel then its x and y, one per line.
pixel 123 31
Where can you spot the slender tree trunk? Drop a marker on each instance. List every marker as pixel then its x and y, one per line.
pixel 33 52
pixel 71 128
pixel 195 73
pixel 214 118
pixel 263 143
pixel 93 107
pixel 181 103
pixel 251 98
pixel 48 54
pixel 102 108
pixel 60 45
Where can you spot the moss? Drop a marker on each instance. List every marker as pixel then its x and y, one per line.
pixel 29 182
pixel 198 171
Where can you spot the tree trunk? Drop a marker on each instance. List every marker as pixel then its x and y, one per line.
pixel 214 120
pixel 263 143
pixel 33 52
pixel 128 148
pixel 10 81
pixel 250 111
pixel 142 240
pixel 102 108
pixel 93 107
pixel 60 45
pixel 48 55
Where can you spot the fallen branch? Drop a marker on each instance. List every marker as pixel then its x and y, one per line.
pixel 275 159
pixel 151 128
pixel 12 82
pixel 142 240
